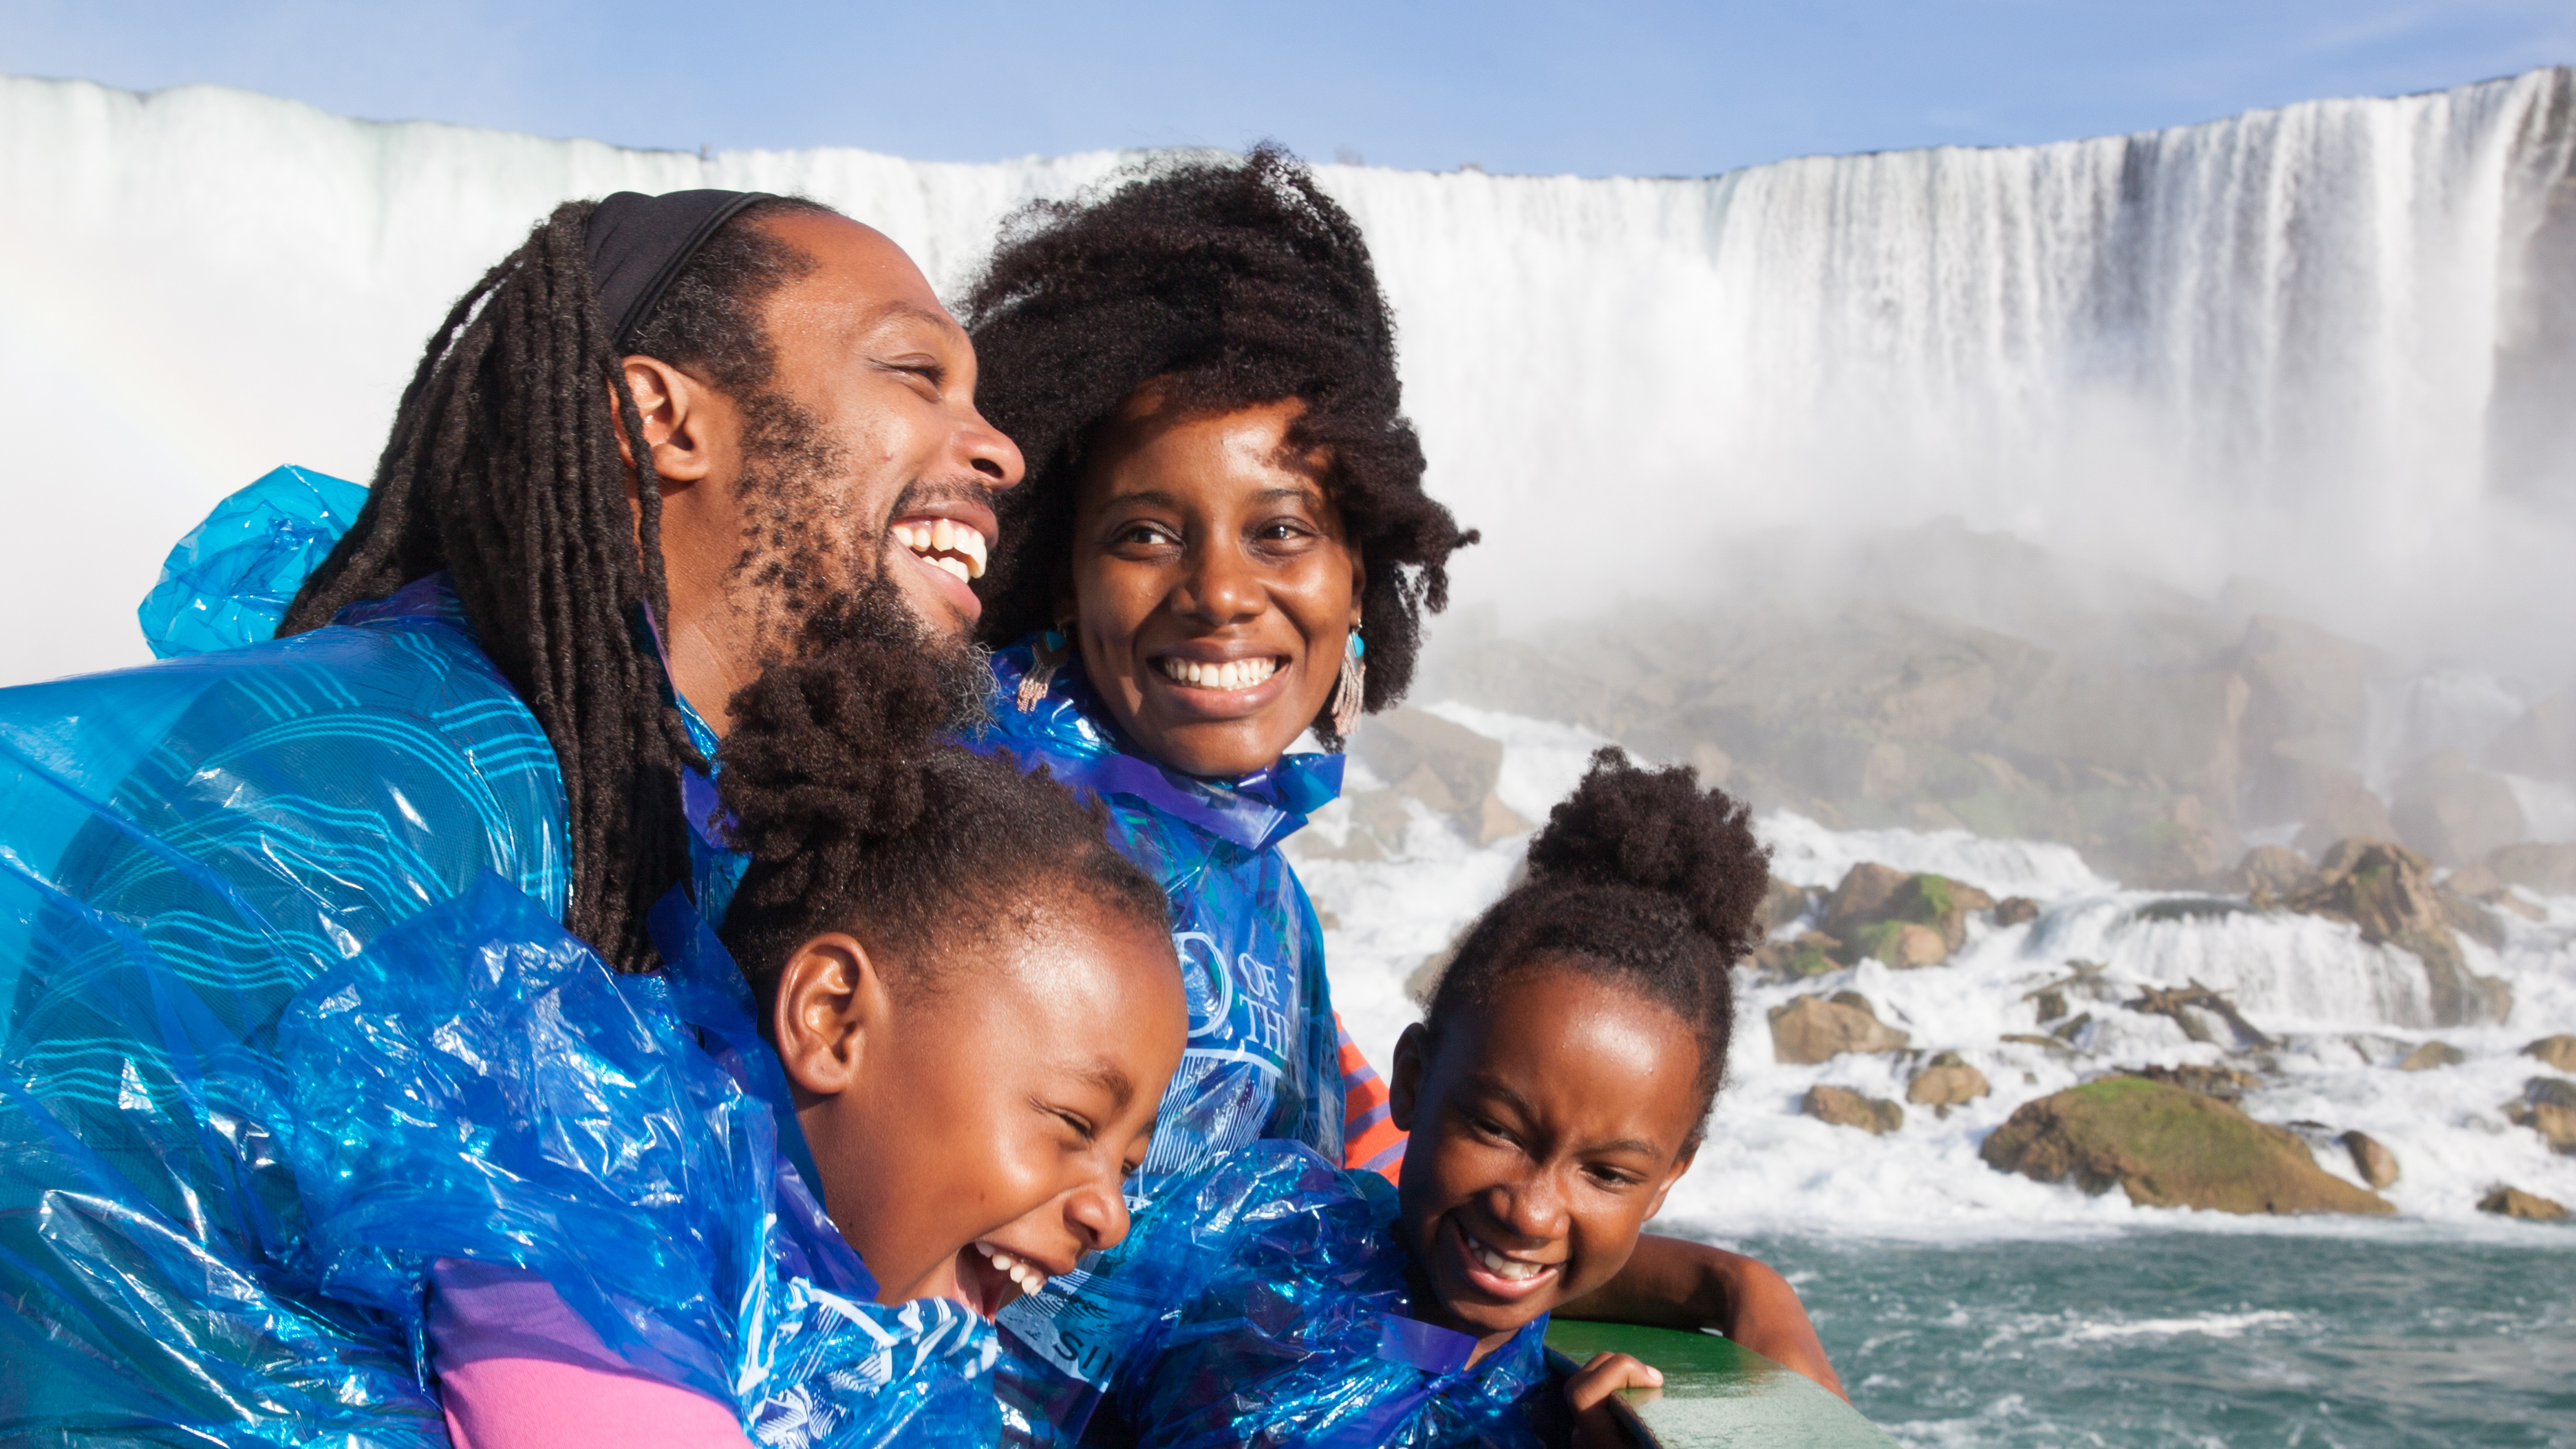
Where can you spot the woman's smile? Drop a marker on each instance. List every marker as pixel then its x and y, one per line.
pixel 1211 684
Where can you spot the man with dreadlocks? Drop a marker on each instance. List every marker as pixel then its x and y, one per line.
pixel 662 445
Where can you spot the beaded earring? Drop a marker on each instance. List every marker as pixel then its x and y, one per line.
pixel 1352 692
pixel 1045 658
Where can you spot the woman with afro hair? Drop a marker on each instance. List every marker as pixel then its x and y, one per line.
pixel 1223 542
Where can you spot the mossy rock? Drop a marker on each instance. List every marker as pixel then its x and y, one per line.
pixel 1903 945
pixel 2167 1147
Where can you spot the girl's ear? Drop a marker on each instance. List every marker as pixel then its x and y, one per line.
pixel 1681 1164
pixel 832 1003
pixel 1404 1076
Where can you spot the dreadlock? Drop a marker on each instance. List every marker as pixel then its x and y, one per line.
pixel 1641 880
pixel 503 470
pixel 1225 285
pixel 858 819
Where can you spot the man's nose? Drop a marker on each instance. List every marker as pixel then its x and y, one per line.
pixel 990 452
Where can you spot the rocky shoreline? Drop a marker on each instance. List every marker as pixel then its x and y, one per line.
pixel 2167 1136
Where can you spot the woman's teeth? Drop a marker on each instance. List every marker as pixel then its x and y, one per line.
pixel 1517 1269
pixel 1233 674
pixel 944 543
pixel 1029 1276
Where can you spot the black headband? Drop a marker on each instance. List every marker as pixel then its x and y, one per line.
pixel 638 244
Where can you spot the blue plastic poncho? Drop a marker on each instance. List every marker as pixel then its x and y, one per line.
pixel 184 849
pixel 1262 1057
pixel 479 1084
pixel 1265 1302
pixel 1261 1063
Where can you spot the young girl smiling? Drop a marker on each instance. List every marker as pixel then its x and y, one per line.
pixel 705 1207
pixel 1555 1091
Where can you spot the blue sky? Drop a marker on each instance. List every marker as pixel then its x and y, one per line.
pixel 1512 85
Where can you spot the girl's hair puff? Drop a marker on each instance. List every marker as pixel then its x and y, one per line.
pixel 858 818
pixel 1640 879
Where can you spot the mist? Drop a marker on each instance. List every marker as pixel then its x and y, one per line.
pixel 2117 400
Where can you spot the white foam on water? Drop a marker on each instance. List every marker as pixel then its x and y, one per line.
pixel 2208 1325
pixel 1807 854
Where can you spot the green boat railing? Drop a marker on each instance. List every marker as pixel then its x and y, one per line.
pixel 1716 1394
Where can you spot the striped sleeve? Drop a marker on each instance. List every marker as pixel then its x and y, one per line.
pixel 1370 1141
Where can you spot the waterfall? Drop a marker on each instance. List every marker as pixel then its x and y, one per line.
pixel 2327 346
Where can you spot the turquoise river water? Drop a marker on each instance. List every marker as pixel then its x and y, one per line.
pixel 2202 1339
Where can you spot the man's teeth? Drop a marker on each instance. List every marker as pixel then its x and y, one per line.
pixel 1233 674
pixel 1495 1263
pixel 1029 1276
pixel 944 543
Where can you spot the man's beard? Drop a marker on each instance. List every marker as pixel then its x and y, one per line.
pixel 875 614
pixel 816 584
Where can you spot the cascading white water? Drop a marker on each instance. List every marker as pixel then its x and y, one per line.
pixel 2299 345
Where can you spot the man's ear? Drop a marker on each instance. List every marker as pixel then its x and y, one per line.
pixel 832 1004
pixel 1404 1076
pixel 679 414
pixel 1681 1165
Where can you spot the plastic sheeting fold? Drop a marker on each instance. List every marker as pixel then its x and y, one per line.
pixel 1264 1300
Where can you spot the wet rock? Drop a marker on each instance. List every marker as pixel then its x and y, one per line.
pixel 1814 1029
pixel 1947 1082
pixel 1904 920
pixel 2202 1013
pixel 1784 904
pixel 1863 895
pixel 1811 953
pixel 1845 1108
pixel 2432 1056
pixel 2513 1202
pixel 2166 1147
pixel 2227 1084
pixel 2549 1108
pixel 2274 870
pixel 1448 767
pixel 2547 868
pixel 2051 1005
pixel 2554 1051
pixel 1492 820
pixel 2014 910
pixel 1901 944
pixel 2454 812
pixel 2371 1158
pixel 2387 891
